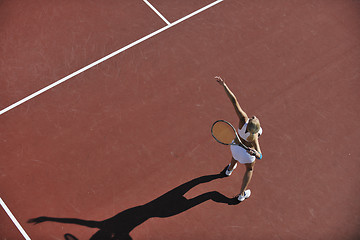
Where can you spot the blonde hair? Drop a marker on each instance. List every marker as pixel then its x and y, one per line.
pixel 254 126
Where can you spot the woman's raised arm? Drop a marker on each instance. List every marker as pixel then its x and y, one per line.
pixel 241 114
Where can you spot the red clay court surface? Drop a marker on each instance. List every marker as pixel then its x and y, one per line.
pixel 127 143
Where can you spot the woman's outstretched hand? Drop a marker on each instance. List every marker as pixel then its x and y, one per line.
pixel 219 80
pixel 37 220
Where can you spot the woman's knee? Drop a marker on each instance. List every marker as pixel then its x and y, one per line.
pixel 250 166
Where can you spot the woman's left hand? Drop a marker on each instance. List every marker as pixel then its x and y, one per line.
pixel 252 152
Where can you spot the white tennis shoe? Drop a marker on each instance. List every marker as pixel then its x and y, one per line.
pixel 245 195
pixel 228 173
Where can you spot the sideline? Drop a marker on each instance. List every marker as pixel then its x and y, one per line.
pixel 17 224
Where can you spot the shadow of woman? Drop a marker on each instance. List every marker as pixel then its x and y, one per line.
pixel 169 204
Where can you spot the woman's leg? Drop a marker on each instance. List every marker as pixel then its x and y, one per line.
pixel 232 164
pixel 231 167
pixel 247 176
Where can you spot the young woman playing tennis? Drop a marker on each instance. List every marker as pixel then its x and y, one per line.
pixel 249 132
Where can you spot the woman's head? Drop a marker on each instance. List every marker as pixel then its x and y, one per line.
pixel 253 125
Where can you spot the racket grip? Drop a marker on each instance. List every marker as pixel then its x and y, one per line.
pixel 245 147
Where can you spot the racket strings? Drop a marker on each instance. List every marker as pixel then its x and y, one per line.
pixel 223 132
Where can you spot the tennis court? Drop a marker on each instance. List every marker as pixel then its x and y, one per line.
pixel 106 110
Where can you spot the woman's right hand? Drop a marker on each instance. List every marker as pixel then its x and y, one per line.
pixel 219 80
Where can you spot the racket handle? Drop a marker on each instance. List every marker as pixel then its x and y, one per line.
pixel 240 143
pixel 245 147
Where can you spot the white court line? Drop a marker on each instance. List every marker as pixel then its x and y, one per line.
pixel 105 58
pixel 7 210
pixel 157 12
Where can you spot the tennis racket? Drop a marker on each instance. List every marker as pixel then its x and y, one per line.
pixel 224 133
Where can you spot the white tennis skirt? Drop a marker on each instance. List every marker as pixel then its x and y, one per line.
pixel 241 155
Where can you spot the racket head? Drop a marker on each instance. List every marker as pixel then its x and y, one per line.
pixel 223 132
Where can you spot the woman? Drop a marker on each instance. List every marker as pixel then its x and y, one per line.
pixel 249 132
